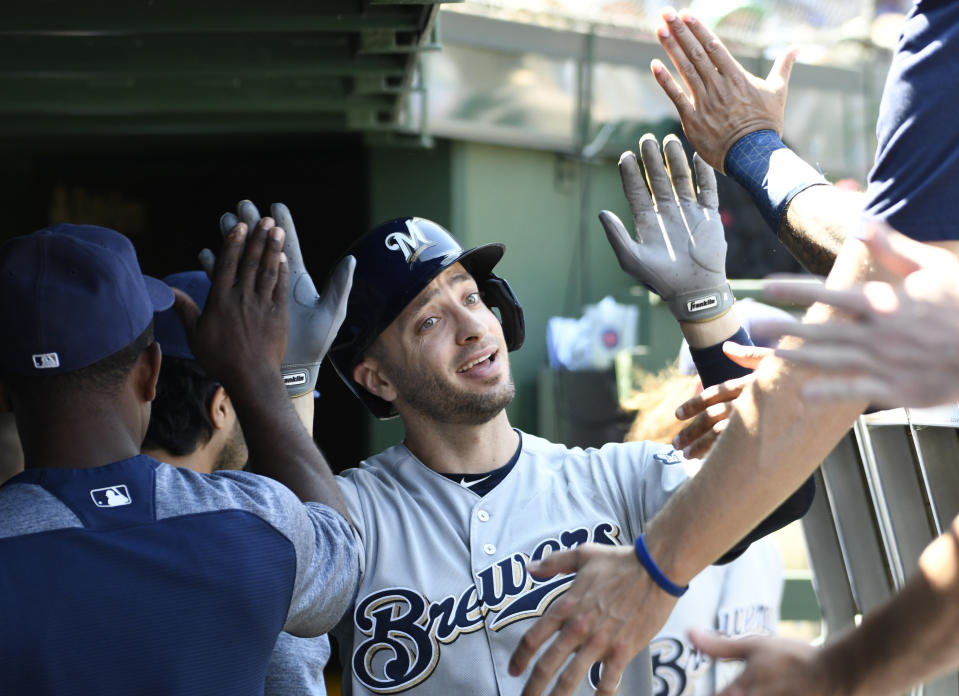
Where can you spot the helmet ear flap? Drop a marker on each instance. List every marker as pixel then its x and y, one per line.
pixel 497 293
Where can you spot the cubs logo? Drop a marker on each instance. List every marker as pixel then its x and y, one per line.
pixel 411 245
pixel 406 631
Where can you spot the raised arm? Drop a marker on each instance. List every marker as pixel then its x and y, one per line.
pixel 247 311
pixel 734 119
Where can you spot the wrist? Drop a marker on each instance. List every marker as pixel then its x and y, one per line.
pixel 655 572
pixel 710 333
pixel 300 378
pixel 771 173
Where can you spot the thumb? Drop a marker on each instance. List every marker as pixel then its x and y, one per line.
pixel 745 356
pixel 555 563
pixel 782 68
pixel 619 239
pixel 188 312
pixel 894 251
pixel 718 646
pixel 337 290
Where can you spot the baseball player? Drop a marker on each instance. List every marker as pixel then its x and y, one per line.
pixel 450 518
pixel 193 424
pixel 122 574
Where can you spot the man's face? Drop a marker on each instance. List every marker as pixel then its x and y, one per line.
pixel 445 355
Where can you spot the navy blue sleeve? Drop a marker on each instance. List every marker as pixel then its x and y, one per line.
pixel 911 185
pixel 714 367
pixel 712 364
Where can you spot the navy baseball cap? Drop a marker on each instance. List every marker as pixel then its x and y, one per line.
pixel 168 328
pixel 71 295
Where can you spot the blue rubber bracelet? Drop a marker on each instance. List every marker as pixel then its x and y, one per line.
pixel 771 173
pixel 654 572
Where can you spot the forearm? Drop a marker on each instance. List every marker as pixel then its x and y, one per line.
pixel 816 223
pixel 923 616
pixel 773 442
pixel 279 445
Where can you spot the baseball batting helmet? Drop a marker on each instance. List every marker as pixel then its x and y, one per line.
pixel 394 262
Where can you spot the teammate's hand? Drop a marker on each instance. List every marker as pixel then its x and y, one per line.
pixel 680 249
pixel 774 666
pixel 900 346
pixel 314 320
pixel 609 614
pixel 711 408
pixel 243 326
pixel 725 101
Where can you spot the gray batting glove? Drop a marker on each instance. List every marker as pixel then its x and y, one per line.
pixel 680 249
pixel 314 320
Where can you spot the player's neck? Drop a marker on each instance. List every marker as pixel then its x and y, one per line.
pixel 463 449
pixel 201 464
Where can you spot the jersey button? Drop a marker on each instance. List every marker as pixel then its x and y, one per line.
pixel 489 549
pixel 483 516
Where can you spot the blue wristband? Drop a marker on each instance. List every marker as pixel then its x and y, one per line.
pixel 654 572
pixel 771 173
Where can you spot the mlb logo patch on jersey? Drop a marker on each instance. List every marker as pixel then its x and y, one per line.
pixel 670 457
pixel 111 496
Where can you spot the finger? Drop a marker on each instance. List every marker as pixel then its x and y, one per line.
pixel 702 425
pixel 207 261
pixel 227 222
pixel 716 394
pixel 831 333
pixel 544 627
pixel 678 42
pixel 248 213
pixel 609 680
pixel 282 288
pixel 706 179
pixel 291 247
pixel 806 293
pixel 865 388
pixel 656 175
pixel 555 563
pixel 225 269
pixel 336 294
pixel 267 274
pixel 619 239
pixel 678 168
pixel 831 358
pixel 249 264
pixel 718 54
pixel 672 89
pixel 746 356
pixel 575 671
pixel 699 448
pixel 717 646
pixel 634 185
pixel 187 310
pixel 782 68
pixel 894 251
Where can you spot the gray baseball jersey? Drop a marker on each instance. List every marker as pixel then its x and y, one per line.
pixel 445 597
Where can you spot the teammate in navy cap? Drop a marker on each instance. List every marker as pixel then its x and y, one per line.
pixel 122 574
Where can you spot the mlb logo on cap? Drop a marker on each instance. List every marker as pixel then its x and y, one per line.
pixel 46 361
pixel 111 496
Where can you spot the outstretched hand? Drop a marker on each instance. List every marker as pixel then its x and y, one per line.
pixel 679 250
pixel 609 614
pixel 900 343
pixel 711 408
pixel 243 326
pixel 774 666
pixel 724 101
pixel 314 319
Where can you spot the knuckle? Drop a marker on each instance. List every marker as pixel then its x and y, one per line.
pixel 567 681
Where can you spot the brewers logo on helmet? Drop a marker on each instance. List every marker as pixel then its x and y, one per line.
pixel 394 262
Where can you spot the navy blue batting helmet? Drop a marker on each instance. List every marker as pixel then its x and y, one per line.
pixel 394 262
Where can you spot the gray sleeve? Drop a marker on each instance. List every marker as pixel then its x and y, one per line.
pixel 327 568
pixel 296 666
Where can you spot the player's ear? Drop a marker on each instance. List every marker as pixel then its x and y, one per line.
pixel 146 371
pixel 220 409
pixel 369 375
